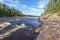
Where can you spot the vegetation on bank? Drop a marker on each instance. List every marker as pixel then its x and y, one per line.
pixel 52 7
pixel 5 11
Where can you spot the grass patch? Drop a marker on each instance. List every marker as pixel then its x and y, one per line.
pixel 58 13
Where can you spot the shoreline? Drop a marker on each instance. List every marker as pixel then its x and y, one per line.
pixel 50 28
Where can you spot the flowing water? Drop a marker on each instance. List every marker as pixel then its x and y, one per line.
pixel 24 34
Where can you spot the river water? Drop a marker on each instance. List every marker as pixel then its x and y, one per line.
pixel 25 34
pixel 19 20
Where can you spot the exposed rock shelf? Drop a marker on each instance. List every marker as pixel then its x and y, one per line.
pixel 50 29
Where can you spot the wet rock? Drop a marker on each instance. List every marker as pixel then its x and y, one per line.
pixel 4 25
pixel 9 32
pixel 21 26
pixel 37 30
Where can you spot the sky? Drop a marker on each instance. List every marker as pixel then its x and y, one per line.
pixel 27 7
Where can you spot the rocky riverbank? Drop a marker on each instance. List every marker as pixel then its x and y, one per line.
pixel 50 28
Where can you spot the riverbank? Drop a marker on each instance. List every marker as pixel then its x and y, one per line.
pixel 50 28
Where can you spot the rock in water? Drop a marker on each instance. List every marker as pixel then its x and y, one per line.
pixel 4 25
pixel 37 30
pixel 11 31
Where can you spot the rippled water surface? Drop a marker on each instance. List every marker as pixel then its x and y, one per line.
pixel 19 20
pixel 25 34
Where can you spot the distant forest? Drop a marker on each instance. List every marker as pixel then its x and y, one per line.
pixel 5 11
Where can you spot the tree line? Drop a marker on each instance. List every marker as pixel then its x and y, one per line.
pixel 5 11
pixel 53 7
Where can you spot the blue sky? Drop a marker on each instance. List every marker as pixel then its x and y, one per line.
pixel 28 7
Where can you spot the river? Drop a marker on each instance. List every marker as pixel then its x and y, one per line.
pixel 28 21
pixel 26 34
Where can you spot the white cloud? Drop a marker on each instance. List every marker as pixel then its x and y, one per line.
pixel 24 6
pixel 35 9
pixel 37 12
pixel 42 4
pixel 11 3
pixel 1 1
pixel 32 11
